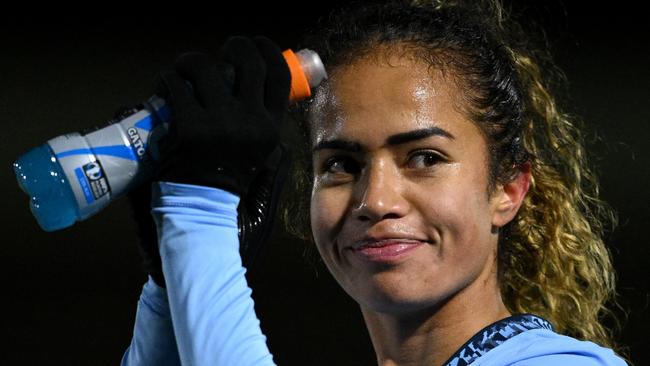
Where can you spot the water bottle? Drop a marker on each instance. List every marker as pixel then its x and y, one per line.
pixel 73 176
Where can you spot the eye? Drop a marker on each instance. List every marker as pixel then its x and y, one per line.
pixel 426 158
pixel 341 162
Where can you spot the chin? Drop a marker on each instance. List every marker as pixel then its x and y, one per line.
pixel 398 298
pixel 396 301
pixel 401 308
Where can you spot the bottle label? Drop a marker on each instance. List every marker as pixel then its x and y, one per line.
pixel 92 181
pixel 104 163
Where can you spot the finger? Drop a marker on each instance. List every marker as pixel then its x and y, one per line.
pixel 278 78
pixel 207 79
pixel 180 100
pixel 179 96
pixel 160 87
pixel 250 70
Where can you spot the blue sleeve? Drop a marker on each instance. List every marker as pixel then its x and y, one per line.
pixel 212 312
pixel 153 341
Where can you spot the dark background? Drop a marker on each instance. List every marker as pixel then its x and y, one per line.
pixel 70 296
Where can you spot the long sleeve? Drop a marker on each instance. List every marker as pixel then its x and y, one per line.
pixel 153 341
pixel 212 312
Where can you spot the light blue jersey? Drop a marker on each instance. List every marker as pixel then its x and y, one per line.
pixel 542 347
pixel 206 315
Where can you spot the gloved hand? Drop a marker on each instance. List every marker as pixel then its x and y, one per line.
pixel 225 126
pixel 188 155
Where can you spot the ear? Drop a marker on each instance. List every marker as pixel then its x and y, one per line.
pixel 509 197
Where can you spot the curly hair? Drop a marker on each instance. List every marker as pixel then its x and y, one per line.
pixel 552 259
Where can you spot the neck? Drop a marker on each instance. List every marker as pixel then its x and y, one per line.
pixel 431 335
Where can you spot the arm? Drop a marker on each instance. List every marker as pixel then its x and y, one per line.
pixel 213 315
pixel 218 148
pixel 153 341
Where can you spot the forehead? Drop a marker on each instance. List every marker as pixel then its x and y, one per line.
pixel 372 98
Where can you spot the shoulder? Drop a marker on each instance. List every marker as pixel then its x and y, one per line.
pixel 539 347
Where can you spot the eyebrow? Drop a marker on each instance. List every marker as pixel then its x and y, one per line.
pixel 397 139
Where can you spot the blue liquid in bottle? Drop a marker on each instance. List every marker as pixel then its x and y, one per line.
pixel 40 175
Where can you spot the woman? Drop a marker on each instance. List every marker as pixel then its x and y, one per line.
pixel 448 197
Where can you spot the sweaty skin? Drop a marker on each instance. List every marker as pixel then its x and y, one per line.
pixel 420 309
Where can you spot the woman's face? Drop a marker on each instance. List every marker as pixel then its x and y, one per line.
pixel 395 159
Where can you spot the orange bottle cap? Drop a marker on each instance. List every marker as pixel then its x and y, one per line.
pixel 299 84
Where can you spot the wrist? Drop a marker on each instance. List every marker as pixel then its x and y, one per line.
pixel 235 178
pixel 175 193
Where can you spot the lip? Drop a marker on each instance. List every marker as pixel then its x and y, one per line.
pixel 386 251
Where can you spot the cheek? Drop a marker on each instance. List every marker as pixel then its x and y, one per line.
pixel 457 209
pixel 316 211
pixel 327 209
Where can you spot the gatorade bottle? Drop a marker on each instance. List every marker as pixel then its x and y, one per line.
pixel 73 176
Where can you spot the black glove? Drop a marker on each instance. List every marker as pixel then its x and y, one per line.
pixel 224 133
pixel 225 126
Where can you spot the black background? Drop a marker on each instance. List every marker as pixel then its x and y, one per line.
pixel 69 297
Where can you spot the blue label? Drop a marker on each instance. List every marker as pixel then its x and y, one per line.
pixel 96 179
pixel 81 177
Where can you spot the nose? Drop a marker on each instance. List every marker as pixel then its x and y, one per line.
pixel 379 193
